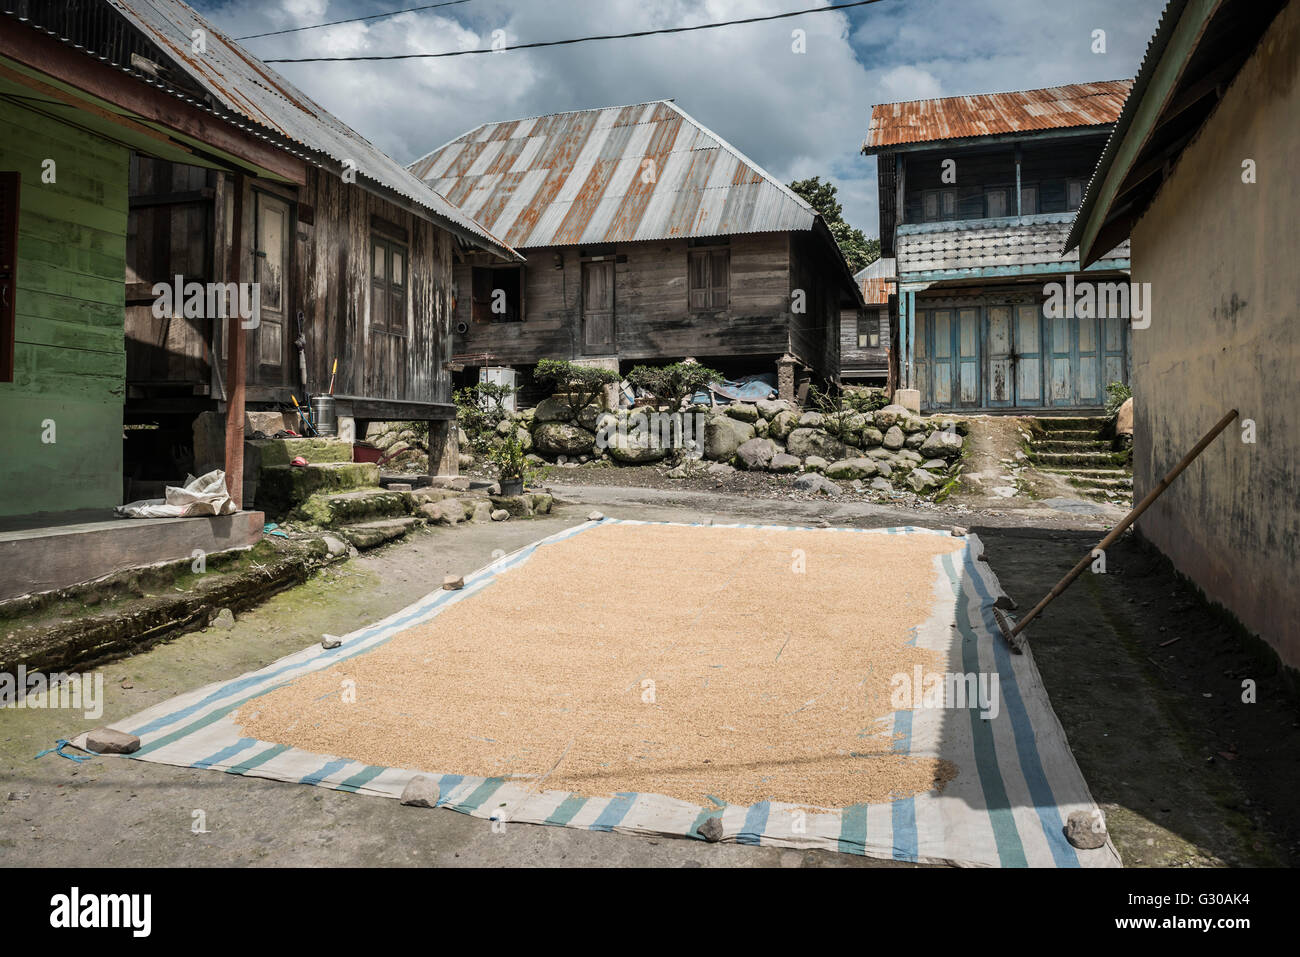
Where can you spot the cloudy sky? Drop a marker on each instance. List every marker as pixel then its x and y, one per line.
pixel 797 115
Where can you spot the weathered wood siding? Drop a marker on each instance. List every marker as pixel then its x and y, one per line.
pixel 653 318
pixel 815 333
pixel 70 362
pixel 854 359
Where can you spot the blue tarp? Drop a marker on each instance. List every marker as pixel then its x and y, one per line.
pixel 750 388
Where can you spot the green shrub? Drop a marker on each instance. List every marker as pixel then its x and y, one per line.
pixel 577 383
pixel 1117 393
pixel 673 384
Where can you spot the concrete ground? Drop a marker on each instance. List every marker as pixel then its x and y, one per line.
pixel 1186 774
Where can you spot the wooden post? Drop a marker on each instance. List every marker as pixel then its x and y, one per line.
pixel 444 448
pixel 236 359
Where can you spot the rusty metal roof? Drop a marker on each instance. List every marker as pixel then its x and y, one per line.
pixel 244 90
pixel 958 117
pixel 876 292
pixel 619 174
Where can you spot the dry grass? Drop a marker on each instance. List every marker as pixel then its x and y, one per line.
pixel 766 682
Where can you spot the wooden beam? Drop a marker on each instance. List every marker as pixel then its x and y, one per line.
pixel 236 360
pixel 61 62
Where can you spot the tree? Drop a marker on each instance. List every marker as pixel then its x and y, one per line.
pixel 672 385
pixel 823 197
pixel 578 384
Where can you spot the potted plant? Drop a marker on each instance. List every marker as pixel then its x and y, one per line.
pixel 512 467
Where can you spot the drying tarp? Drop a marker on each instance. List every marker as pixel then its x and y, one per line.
pixel 205 495
pixel 1016 787
pixel 750 388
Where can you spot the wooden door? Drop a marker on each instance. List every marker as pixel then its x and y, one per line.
pixel 1001 372
pixel 1029 356
pixel 598 308
pixel 968 358
pixel 271 272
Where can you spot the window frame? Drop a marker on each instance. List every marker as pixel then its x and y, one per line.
pixel 710 290
pixel 385 286
pixel 480 309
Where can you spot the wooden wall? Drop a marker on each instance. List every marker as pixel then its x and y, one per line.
pixel 61 416
pixel 653 319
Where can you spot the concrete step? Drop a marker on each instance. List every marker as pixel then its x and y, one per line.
pixel 1058 423
pixel 1071 445
pixel 271 452
pixel 333 509
pixel 366 535
pixel 1124 483
pixel 1075 435
pixel 1075 459
pixel 1115 471
pixel 282 488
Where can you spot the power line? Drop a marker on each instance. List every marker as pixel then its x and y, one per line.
pixel 556 43
pixel 373 16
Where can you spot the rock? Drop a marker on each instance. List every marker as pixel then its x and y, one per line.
pixel 743 411
pixel 932 465
pixel 872 436
pixel 1124 419
pixel 811 420
pixel 224 619
pixel 815 463
pixel 465 460
pixel 784 463
pixel 504 427
pixel 525 439
pixel 915 440
pixel 711 830
pixel 755 455
pixel 595 517
pixel 912 423
pixel 804 442
pixel 542 503
pixel 720 468
pixel 421 791
pixel 894 438
pixel 812 482
pixel 889 416
pixel 482 512
pixel 557 438
pixel 883 468
pixel 852 469
pixel 453 582
pixel 881 454
pixel 907 455
pixel 782 424
pixel 881 485
pixel 398 486
pixel 941 445
pixel 761 428
pixel 336 547
pixel 680 472
pixel 499 515
pixel 1086 830
pixel 771 408
pixel 330 641
pixel 635 450
pixel 112 741
pixel 959 532
pixel 920 480
pixel 517 506
pixel 552 410
pixel 450 511
pixel 723 435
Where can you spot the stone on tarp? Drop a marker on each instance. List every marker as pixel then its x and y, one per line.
pixel 595 517
pixel 711 830
pixel 1086 830
pixel 329 642
pixel 112 741
pixel 453 582
pixel 421 791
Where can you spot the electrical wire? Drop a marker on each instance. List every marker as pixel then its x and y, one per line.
pixel 333 23
pixel 587 39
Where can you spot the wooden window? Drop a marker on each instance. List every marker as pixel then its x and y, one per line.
pixel 1028 200
pixel 9 199
pixel 710 279
pixel 388 281
pixel 869 332
pixel 996 201
pixel 1073 193
pixel 497 293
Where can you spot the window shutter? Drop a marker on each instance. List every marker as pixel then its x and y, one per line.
pixel 9 199
pixel 720 268
pixel 699 279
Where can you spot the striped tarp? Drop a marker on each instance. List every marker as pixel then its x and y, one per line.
pixel 1017 782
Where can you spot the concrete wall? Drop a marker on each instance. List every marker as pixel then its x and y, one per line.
pixel 70 358
pixel 1221 257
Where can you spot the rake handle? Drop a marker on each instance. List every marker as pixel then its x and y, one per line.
pixel 1128 520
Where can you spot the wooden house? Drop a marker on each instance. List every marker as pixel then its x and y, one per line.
pixel 140 145
pixel 865 335
pixel 648 239
pixel 977 194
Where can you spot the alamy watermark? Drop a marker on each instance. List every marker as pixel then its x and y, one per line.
pixel 651 430
pixel 211 300
pixel 937 690
pixel 1098 300
pixel 38 691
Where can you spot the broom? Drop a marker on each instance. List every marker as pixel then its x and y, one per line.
pixel 1012 634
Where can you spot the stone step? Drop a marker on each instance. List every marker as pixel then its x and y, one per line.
pixel 332 509
pixel 1118 483
pixel 1071 445
pixel 1076 435
pixel 1056 423
pixel 366 535
pixel 1080 459
pixel 282 488
pixel 271 452
pixel 1115 471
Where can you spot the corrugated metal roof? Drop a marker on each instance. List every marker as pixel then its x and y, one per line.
pixel 238 83
pixel 956 117
pixel 581 178
pixel 876 292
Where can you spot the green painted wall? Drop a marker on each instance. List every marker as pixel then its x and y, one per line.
pixel 70 358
